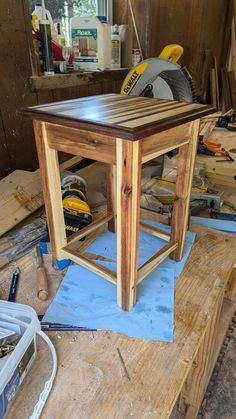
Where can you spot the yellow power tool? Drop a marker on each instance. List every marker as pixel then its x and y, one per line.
pixel 161 77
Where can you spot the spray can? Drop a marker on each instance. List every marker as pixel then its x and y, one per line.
pixel 46 43
pixel 115 47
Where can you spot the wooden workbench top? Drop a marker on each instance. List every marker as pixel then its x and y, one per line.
pixel 116 115
pixel 91 382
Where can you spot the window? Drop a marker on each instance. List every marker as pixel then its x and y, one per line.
pixel 63 10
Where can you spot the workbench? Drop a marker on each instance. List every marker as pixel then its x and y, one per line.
pixel 123 132
pixel 91 382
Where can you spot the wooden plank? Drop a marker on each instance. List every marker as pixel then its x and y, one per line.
pixel 226 92
pixel 111 195
pixel 161 143
pixel 197 381
pixel 90 228
pixel 128 215
pixel 81 260
pixel 155 231
pixel 180 214
pixel 51 185
pixel 138 121
pixel 213 88
pixel 206 127
pixel 140 111
pixel 217 84
pixel 205 74
pixel 87 144
pixel 4 155
pixel 155 260
pixel 61 81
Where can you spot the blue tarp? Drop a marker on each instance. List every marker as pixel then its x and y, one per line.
pixel 87 300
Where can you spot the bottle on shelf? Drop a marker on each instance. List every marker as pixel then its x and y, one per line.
pixel 115 47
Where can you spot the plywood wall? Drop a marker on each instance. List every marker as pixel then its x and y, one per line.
pixel 197 25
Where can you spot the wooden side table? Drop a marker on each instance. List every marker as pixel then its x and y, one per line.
pixel 123 132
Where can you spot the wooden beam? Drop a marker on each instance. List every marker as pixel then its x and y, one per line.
pixel 128 216
pixel 155 260
pixel 90 144
pixel 160 143
pixel 51 185
pixel 87 263
pixel 111 198
pixel 155 231
pixel 196 384
pixel 180 214
pixel 90 228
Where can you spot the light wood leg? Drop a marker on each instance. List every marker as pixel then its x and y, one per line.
pixel 111 196
pixel 51 186
pixel 128 217
pixel 186 159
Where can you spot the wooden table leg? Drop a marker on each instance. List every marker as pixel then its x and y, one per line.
pixel 186 159
pixel 111 195
pixel 128 217
pixel 51 185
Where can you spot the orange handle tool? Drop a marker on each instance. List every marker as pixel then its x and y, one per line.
pixel 42 280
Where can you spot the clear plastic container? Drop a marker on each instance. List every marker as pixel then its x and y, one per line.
pixel 91 42
pixel 14 366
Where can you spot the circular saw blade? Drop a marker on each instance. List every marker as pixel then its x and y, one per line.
pixel 162 79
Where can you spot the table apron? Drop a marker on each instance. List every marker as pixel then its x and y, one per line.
pixel 83 143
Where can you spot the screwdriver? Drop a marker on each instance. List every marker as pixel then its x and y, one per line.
pixel 14 284
pixel 42 281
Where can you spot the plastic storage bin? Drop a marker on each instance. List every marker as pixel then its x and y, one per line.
pixel 14 367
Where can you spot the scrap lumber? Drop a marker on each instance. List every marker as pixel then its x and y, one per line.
pixel 207 126
pixel 21 195
pixel 221 173
pixel 207 65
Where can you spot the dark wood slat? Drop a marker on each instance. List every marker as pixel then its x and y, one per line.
pixel 101 110
pixel 152 111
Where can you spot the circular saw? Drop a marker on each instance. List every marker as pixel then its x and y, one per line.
pixel 161 78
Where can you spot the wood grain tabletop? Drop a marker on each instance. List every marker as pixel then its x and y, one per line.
pixel 117 115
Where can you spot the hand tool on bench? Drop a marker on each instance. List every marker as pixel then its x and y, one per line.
pixel 211 148
pixel 42 281
pixel 14 284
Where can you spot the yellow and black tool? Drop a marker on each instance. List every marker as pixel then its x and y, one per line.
pixel 161 77
pixel 77 212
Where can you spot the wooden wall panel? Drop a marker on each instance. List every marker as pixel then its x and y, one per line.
pixel 14 85
pixel 4 155
pixel 197 25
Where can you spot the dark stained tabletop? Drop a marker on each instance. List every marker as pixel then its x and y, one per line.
pixel 118 115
